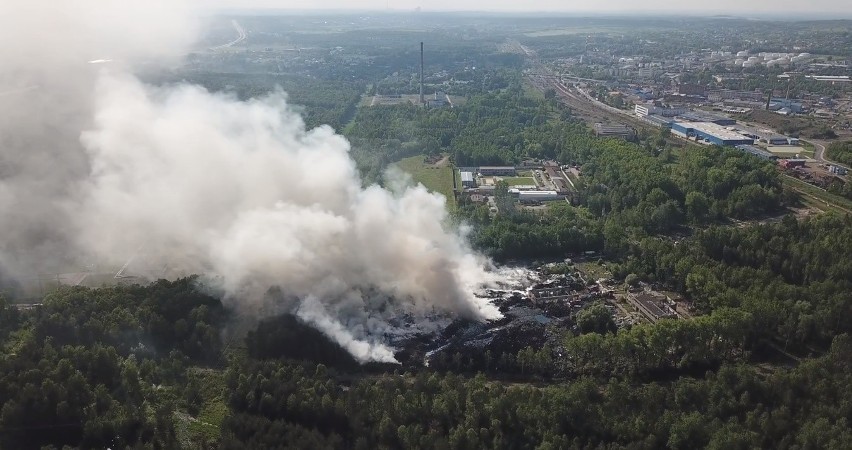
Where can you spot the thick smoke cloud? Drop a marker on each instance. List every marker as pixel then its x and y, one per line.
pixel 242 192
pixel 100 168
pixel 46 86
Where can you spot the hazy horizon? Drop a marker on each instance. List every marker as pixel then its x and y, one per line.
pixel 754 9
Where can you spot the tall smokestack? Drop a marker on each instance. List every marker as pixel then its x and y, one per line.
pixel 422 100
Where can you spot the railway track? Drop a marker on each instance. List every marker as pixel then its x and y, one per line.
pixel 582 106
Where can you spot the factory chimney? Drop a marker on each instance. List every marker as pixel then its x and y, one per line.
pixel 422 100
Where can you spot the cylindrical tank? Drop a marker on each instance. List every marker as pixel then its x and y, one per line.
pixel 537 196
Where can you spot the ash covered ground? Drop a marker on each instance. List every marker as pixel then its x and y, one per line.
pixel 537 307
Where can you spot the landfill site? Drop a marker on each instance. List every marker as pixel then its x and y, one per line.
pixel 539 308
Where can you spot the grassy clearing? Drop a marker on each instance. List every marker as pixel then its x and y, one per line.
pixel 436 179
pixel 819 198
pixel 594 270
pixel 809 148
pixel 206 426
pixel 519 181
pixel 531 92
pixel 805 127
pixel 789 152
pixel 458 100
pixel 815 204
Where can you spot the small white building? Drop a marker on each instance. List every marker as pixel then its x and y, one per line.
pixel 467 180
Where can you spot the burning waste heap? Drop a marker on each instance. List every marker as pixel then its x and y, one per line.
pixel 531 321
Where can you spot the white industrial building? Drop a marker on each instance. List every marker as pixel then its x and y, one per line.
pixel 535 196
pixel 467 180
pixel 497 171
pixel 647 110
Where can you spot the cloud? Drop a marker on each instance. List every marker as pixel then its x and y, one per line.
pixel 102 168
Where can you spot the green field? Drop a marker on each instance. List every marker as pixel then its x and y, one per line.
pixel 789 152
pixel 809 148
pixel 520 181
pixel 436 179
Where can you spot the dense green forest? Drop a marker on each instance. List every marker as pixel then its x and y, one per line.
pixel 840 152
pixel 105 367
pixel 109 368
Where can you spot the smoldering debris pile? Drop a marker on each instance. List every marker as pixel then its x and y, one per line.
pixel 529 321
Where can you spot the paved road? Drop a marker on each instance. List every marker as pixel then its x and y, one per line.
pixel 819 151
pixel 241 36
pixel 819 154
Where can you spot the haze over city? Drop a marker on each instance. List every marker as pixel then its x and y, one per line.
pixel 755 8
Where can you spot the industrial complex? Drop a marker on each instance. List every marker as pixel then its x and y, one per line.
pixel 711 133
pixel 531 184
pixel 710 128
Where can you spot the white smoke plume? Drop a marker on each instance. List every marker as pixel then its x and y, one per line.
pixel 96 163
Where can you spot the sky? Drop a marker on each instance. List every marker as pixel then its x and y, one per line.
pixel 751 7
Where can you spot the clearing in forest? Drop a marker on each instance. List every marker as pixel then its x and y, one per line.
pixel 436 179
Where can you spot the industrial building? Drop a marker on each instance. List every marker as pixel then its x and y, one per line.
pixel 704 116
pixel 439 100
pixel 647 110
pixel 775 139
pixel 658 121
pixel 467 180
pixel 779 104
pixel 617 130
pixel 757 151
pixel 551 168
pixel 653 307
pixel 497 171
pixel 830 78
pixel 644 110
pixel 725 94
pixel 837 170
pixel 691 89
pixel 535 196
pixel 710 133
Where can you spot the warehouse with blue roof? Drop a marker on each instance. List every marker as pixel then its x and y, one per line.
pixel 710 133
